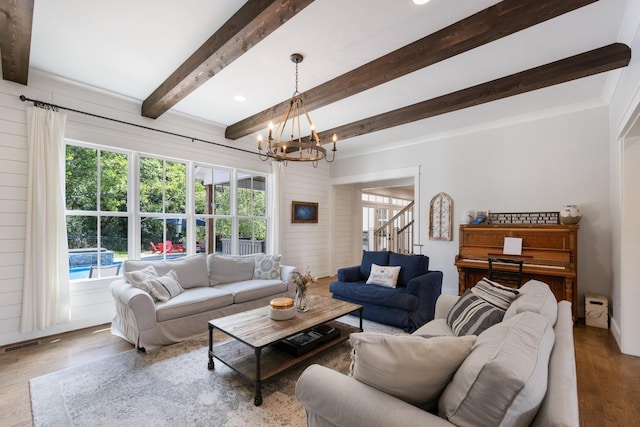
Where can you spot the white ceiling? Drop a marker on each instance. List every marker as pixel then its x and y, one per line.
pixel 131 47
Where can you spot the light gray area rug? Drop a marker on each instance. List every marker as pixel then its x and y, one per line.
pixel 172 386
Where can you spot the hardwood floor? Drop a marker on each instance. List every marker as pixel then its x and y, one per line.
pixel 608 382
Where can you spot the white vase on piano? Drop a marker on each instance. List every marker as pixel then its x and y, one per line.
pixel 467 217
pixel 570 215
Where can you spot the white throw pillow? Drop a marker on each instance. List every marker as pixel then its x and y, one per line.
pixel 383 275
pixel 139 278
pixel 267 267
pixel 166 287
pixel 412 368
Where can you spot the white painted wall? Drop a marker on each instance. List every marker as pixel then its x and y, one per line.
pixel 625 191
pixel 630 247
pixel 533 166
pixel 92 304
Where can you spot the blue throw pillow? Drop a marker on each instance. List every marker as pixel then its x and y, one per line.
pixel 412 266
pixel 372 257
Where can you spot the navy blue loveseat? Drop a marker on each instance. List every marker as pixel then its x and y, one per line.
pixel 408 306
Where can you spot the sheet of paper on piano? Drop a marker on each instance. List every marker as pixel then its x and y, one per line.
pixel 512 246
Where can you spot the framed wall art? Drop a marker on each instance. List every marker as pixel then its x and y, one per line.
pixel 304 212
pixel 441 217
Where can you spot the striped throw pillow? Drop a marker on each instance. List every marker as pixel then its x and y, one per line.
pixel 166 287
pixel 480 308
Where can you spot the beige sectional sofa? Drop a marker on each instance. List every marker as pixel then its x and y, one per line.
pixel 518 372
pixel 211 286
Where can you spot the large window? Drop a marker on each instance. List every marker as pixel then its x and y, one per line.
pixel 172 208
pixel 97 211
pixel 230 212
pixel 163 198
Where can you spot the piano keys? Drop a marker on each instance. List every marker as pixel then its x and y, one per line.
pixel 549 254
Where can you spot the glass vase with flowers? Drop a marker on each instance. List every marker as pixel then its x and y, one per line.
pixel 302 282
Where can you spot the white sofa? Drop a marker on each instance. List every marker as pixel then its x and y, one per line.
pixel 519 372
pixel 214 286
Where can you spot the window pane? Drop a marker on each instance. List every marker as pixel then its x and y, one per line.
pixel 113 244
pixel 176 187
pixel 259 196
pixel 151 173
pixel 81 178
pixel 151 236
pixel 244 193
pixel 223 236
pixel 222 192
pixel 82 231
pixel 249 242
pixel 82 235
pixel 113 181
pixel 114 235
pixel 203 187
pixel 204 229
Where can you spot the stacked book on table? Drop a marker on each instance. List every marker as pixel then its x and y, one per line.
pixel 306 341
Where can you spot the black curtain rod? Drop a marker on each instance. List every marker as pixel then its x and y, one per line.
pixel 49 105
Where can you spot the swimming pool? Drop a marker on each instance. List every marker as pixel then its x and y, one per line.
pixel 82 272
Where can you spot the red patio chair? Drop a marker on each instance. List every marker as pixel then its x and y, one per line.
pixel 157 249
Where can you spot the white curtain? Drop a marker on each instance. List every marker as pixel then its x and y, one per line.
pixel 45 296
pixel 275 209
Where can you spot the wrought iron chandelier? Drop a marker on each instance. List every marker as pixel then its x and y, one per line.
pixel 296 148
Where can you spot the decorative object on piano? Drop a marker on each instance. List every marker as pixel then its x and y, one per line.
pixel 467 217
pixel 441 217
pixel 570 215
pixel 481 218
pixel 524 218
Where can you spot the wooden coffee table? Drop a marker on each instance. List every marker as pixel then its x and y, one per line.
pixel 252 333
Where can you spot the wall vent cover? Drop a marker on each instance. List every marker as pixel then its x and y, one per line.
pixel 20 346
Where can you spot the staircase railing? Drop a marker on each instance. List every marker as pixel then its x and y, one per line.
pixel 393 236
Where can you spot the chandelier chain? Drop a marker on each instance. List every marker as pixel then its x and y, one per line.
pixel 296 78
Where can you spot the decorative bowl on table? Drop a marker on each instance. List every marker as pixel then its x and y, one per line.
pixel 282 308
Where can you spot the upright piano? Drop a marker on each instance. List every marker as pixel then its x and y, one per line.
pixel 549 254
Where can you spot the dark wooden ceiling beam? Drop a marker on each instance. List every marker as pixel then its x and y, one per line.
pixel 596 61
pixel 488 25
pixel 247 27
pixel 16 20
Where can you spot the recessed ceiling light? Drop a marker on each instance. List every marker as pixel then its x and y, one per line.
pixel 240 98
pixel 421 1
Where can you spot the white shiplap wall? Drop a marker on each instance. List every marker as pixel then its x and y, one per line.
pixel 13 206
pixel 92 304
pixel 307 245
pixel 347 226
